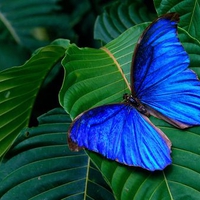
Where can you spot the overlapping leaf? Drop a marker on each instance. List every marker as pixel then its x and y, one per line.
pixel 188 10
pixel 95 77
pixel 119 17
pixel 19 87
pixel 40 165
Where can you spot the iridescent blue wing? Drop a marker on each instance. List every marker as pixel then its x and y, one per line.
pixel 160 75
pixel 178 99
pixel 119 132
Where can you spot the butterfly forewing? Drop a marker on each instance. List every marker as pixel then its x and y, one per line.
pixel 160 75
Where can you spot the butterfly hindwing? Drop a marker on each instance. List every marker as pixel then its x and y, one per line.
pixel 121 133
pixel 161 79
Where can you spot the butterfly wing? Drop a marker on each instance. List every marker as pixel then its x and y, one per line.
pixel 119 132
pixel 178 98
pixel 160 77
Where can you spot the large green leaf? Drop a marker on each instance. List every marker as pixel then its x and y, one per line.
pixel 94 76
pixel 19 87
pixel 41 166
pixel 120 16
pixel 99 76
pixel 192 47
pixel 188 11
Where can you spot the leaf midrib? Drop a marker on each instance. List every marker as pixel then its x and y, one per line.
pixel 165 179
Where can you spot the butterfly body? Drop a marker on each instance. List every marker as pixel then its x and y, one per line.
pixel 161 85
pixel 135 102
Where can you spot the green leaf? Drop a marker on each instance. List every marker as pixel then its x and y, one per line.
pixel 41 166
pixel 23 20
pixel 18 90
pixel 100 76
pixel 188 11
pixel 192 46
pixel 119 17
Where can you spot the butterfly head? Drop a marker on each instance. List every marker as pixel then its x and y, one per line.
pixel 135 102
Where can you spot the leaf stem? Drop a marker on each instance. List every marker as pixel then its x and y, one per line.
pixel 10 28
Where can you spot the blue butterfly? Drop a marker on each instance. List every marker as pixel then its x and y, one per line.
pixel 162 86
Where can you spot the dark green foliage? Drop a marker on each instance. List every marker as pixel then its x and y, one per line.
pixel 35 161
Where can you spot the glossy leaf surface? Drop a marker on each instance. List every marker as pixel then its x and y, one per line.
pixel 120 16
pixel 188 11
pixel 40 165
pixel 18 90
